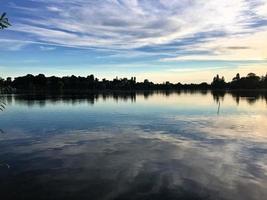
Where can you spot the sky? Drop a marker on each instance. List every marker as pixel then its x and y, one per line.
pixel 187 41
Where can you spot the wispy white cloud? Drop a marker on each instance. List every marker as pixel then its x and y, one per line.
pixel 261 9
pixel 11 45
pixel 47 48
pixel 54 9
pixel 136 23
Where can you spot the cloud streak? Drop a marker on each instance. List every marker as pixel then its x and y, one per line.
pixel 131 24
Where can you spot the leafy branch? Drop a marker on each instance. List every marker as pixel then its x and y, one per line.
pixel 4 23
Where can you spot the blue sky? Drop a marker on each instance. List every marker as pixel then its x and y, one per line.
pixel 176 40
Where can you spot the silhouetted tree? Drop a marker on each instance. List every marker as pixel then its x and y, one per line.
pixel 237 77
pixel 218 83
pixel 40 82
pixel 251 75
pixel 1 82
pixel 265 81
pixel 55 83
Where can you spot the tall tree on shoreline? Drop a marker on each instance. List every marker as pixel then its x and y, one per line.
pixel 4 23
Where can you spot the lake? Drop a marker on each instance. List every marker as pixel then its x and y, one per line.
pixel 135 145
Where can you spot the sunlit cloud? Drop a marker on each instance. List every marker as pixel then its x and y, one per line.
pixel 233 48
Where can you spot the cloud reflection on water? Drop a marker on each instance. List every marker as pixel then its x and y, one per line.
pixel 133 164
pixel 174 152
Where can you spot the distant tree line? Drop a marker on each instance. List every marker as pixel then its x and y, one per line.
pixel 251 81
pixel 68 83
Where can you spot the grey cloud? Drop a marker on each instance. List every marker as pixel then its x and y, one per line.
pixel 238 47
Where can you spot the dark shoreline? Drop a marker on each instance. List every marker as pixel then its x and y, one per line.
pixel 41 83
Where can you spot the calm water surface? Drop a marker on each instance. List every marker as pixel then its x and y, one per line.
pixel 134 146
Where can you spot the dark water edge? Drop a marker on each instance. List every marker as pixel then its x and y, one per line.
pixel 134 145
